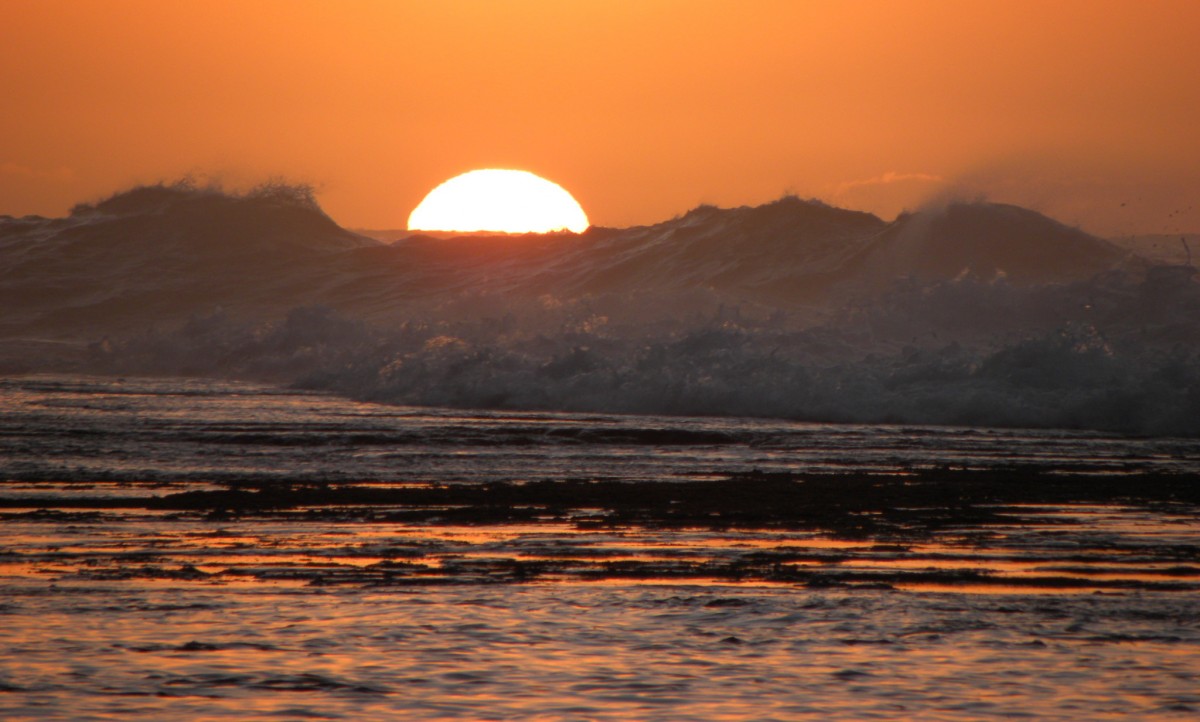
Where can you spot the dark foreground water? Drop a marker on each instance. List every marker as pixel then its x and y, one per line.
pixel 176 549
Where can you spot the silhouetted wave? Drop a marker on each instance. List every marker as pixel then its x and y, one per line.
pixel 970 313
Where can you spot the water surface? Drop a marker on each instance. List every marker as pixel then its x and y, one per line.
pixel 110 608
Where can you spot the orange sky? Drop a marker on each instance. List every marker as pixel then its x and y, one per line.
pixel 641 109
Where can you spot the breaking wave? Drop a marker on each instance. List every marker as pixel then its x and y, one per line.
pixel 877 364
pixel 978 313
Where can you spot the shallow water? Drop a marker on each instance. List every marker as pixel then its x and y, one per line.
pixel 111 434
pixel 565 651
pixel 1075 611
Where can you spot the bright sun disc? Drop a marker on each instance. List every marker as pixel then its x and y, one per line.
pixel 504 201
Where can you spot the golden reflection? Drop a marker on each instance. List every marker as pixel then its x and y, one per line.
pixel 162 550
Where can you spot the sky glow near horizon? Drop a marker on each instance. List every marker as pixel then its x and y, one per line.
pixel 1083 110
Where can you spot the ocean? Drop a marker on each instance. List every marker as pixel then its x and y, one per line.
pixel 198 549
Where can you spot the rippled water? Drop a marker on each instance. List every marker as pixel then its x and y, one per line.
pixel 183 431
pixel 1067 612
pixel 592 652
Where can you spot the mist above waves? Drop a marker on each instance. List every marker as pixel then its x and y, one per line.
pixel 968 313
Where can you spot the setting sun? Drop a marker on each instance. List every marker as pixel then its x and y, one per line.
pixel 505 201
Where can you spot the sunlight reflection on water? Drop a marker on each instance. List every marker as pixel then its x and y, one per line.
pixel 150 615
pixel 574 651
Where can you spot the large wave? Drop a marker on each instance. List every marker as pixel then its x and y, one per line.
pixel 959 352
pixel 977 313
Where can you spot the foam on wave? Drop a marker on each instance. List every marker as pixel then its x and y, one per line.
pixel 973 313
